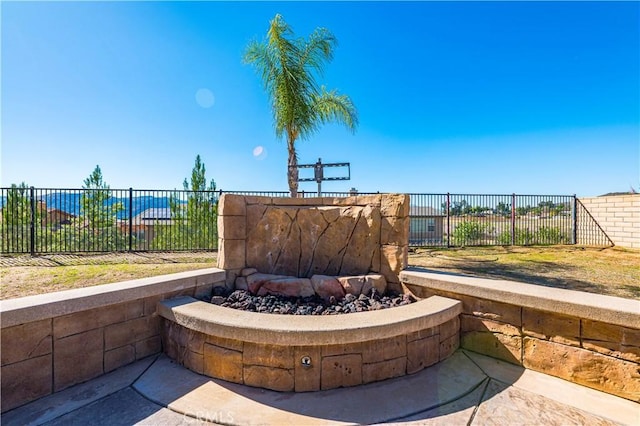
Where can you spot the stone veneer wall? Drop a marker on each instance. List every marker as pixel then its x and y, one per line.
pixel 306 236
pixel 278 367
pixel 53 341
pixel 618 215
pixel 584 338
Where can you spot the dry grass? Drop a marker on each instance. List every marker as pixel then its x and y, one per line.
pixel 612 271
pixel 25 276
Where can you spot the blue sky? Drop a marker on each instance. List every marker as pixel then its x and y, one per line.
pixel 461 97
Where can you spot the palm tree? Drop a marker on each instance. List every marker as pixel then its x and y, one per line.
pixel 287 66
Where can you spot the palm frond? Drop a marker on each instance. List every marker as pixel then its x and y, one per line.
pixel 331 106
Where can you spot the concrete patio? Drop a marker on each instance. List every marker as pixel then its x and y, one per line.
pixel 467 388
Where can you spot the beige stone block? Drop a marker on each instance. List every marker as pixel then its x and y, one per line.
pixel 394 231
pixel 231 254
pixel 489 309
pixel 298 201
pixel 377 281
pixel 612 340
pixel 448 346
pixel 384 349
pixel 422 353
pixel 118 357
pixel 501 346
pixel 352 284
pixel 148 347
pixel 150 304
pixel 131 331
pixel 231 205
pixel 194 361
pixel 351 348
pixel 251 200
pixel 374 200
pixel 78 358
pixel 25 381
pixel 255 214
pixel 471 323
pixel 395 205
pixel 278 379
pixel 393 259
pixel 26 341
pixel 232 227
pixel 222 363
pixel 596 330
pixel 384 370
pixel 340 201
pixel 550 326
pixel 169 345
pixel 450 328
pixel 341 371
pixel 92 319
pixel 223 342
pixel 307 378
pixel 268 355
pixel 421 334
pixel 195 341
pixel 594 370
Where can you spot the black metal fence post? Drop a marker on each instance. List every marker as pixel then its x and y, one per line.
pixel 574 221
pixel 32 222
pixel 513 219
pixel 130 219
pixel 448 222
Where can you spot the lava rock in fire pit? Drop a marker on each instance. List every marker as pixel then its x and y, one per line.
pixel 312 305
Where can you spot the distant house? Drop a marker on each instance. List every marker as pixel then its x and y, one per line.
pixel 55 218
pixel 52 217
pixel 143 224
pixel 426 226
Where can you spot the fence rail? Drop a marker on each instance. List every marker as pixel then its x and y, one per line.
pixel 54 220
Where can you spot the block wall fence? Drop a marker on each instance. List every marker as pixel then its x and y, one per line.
pixel 617 215
pixel 584 338
pixel 53 341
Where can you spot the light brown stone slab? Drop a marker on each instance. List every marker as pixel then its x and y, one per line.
pixel 440 384
pixel 223 363
pixel 548 326
pixel 57 304
pixel 77 358
pixel 306 330
pixel 615 376
pixel 596 307
pixel 602 404
pixel 55 405
pixel 504 405
pixel 341 371
pixel 26 341
pixel 25 381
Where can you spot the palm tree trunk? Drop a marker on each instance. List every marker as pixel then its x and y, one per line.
pixel 292 170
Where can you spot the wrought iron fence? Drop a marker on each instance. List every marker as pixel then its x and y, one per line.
pixel 47 220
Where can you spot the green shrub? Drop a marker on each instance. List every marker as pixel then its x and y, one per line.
pixel 469 233
pixel 549 235
pixel 523 237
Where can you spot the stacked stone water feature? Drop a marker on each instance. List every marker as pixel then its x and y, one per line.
pixel 304 246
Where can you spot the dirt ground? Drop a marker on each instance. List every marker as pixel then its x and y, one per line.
pixel 612 271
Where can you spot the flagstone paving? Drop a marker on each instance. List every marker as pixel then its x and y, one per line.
pixel 466 389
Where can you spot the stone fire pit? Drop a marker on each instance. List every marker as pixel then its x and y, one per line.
pixel 333 249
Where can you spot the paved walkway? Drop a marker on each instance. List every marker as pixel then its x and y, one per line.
pixel 466 389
